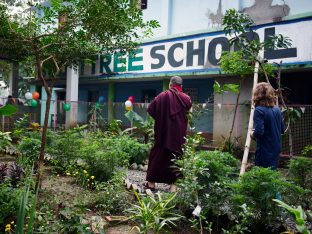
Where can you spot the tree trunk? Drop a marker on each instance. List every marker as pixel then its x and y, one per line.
pixel 291 151
pixel 250 125
pixel 235 111
pixel 40 161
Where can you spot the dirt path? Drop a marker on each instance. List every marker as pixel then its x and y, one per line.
pixel 138 177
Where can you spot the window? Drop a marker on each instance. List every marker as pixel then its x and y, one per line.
pixel 148 95
pixel 193 93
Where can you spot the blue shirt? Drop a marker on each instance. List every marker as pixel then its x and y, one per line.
pixel 269 127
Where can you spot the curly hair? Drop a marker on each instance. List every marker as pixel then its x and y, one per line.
pixel 264 95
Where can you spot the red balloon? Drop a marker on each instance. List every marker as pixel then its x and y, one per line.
pixel 35 95
pixel 131 99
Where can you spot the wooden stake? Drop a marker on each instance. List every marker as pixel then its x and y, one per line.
pixel 250 125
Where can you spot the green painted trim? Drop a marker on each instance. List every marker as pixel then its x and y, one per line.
pixel 111 99
pixel 165 84
pixel 151 75
pixel 287 67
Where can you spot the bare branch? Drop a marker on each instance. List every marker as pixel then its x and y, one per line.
pixel 43 35
pixel 46 46
pixel 56 65
pixel 43 61
pixel 265 73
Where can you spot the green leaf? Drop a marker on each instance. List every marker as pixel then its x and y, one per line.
pixel 231 87
pixel 217 88
pixel 8 110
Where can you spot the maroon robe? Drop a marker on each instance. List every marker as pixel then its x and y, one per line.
pixel 169 111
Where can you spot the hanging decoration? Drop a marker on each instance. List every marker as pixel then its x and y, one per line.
pixel 128 105
pixel 35 95
pixel 101 99
pixel 131 99
pixel 33 103
pixel 28 95
pixel 66 107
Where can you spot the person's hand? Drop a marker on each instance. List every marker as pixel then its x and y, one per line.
pixel 252 134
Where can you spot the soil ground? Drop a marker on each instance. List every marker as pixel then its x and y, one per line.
pixel 66 193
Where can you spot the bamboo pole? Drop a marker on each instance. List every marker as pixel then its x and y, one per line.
pixel 250 124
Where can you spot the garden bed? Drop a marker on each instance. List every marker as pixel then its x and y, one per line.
pixel 84 182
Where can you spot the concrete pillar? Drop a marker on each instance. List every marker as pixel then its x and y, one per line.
pixel 13 80
pixel 43 105
pixel 72 82
pixel 165 85
pixel 110 101
pixel 223 113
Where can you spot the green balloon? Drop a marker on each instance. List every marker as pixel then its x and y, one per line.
pixel 98 104
pixel 66 106
pixel 33 103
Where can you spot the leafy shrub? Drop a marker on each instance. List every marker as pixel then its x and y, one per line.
pixel 135 151
pixel 231 146
pixel 20 126
pixel 112 198
pixel 5 140
pixel 102 164
pixel 29 149
pixel 241 221
pixel 221 169
pixel 9 203
pixel 206 174
pixel 300 171
pixel 70 222
pixel 257 188
pixel 114 127
pixel 65 148
pixel 307 151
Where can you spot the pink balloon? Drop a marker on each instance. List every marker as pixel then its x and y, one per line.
pixel 131 99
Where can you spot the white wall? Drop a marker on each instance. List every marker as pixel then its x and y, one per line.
pixel 185 16
pixel 224 110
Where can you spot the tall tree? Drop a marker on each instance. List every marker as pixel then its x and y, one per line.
pixel 240 27
pixel 54 34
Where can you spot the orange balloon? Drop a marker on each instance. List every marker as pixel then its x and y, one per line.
pixel 35 95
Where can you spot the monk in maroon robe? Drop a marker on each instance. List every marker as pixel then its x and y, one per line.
pixel 169 110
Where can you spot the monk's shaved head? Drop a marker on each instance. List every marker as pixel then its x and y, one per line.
pixel 176 80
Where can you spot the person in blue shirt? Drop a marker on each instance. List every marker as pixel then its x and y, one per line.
pixel 268 126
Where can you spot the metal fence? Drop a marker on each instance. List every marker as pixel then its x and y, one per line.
pixel 215 120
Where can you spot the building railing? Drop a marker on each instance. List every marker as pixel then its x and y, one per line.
pixel 213 119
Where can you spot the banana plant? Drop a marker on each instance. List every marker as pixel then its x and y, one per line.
pixel 299 215
pixel 143 125
pixel 8 110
